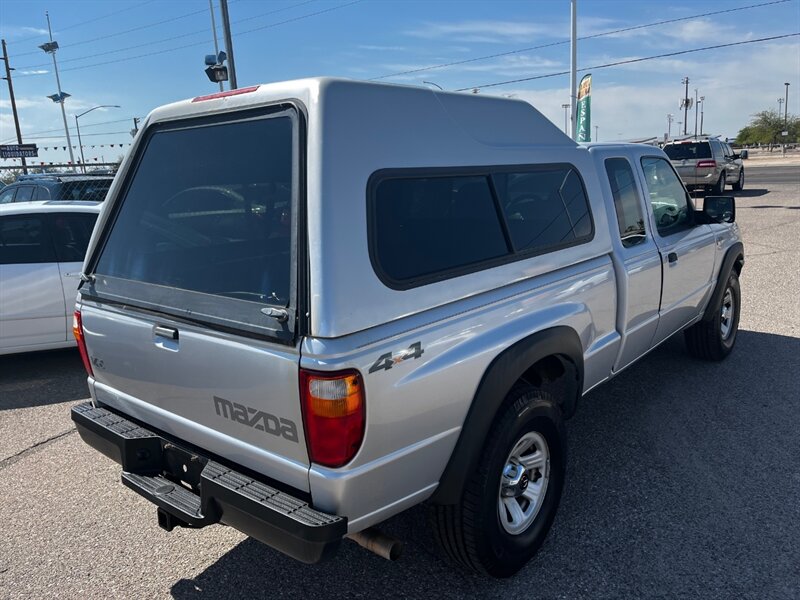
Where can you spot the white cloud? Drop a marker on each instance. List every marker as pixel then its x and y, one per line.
pixel 34 72
pixel 481 31
pixel 381 48
pixel 11 32
pixel 735 87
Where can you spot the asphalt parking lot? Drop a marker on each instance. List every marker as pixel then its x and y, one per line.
pixel 684 478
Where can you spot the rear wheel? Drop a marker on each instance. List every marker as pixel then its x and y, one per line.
pixel 739 185
pixel 713 339
pixel 509 503
pixel 720 187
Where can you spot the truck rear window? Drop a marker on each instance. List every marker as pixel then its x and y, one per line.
pixel 688 151
pixel 209 210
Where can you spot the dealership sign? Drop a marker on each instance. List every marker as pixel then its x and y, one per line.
pixel 19 151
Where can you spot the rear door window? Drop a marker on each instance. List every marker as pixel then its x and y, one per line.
pixel 688 151
pixel 24 239
pixel 206 224
pixel 7 195
pixel 71 232
pixel 24 193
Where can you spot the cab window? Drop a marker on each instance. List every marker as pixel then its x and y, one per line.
pixel 626 201
pixel 670 202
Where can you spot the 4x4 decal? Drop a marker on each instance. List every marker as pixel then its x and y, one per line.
pixel 388 360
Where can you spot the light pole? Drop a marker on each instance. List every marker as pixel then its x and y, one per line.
pixel 786 107
pixel 596 139
pixel 435 84
pixel 685 81
pixel 566 116
pixel 670 117
pixel 50 48
pixel 702 106
pixel 78 128
pixel 214 32
pixel 780 102
pixel 695 113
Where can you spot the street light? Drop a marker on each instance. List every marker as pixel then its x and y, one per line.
pixel 50 48
pixel 786 107
pixel 670 116
pixel 78 128
pixel 566 116
pixel 702 106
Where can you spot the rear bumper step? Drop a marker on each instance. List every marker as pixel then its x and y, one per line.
pixel 194 491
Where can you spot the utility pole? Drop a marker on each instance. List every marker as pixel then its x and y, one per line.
pixel 685 81
pixel 566 117
pixel 695 113
pixel 780 110
pixel 135 129
pixel 573 71
pixel 669 125
pixel 14 103
pixel 50 48
pixel 214 31
pixel 226 28
pixel 596 137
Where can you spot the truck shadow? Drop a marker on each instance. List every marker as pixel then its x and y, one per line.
pixel 751 193
pixel 41 378
pixel 667 474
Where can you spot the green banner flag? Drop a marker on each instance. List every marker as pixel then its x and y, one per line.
pixel 585 109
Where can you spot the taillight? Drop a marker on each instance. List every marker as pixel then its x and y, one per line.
pixel 77 331
pixel 706 164
pixel 333 414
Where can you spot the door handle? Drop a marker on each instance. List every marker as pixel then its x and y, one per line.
pixel 672 257
pixel 166 332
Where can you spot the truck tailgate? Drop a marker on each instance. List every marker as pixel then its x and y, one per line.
pixel 238 397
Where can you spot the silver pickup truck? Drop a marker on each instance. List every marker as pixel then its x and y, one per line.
pixel 308 306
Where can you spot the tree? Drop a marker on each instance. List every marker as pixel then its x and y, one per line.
pixel 766 126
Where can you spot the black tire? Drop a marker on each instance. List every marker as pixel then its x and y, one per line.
pixel 705 339
pixel 470 533
pixel 739 185
pixel 719 188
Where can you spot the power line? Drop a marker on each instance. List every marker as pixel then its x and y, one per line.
pixel 562 42
pixel 59 137
pixel 181 47
pixel 176 37
pixel 629 61
pixel 79 24
pixel 34 133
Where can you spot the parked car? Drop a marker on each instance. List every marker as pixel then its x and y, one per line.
pixel 707 164
pixel 386 295
pixel 42 246
pixel 32 188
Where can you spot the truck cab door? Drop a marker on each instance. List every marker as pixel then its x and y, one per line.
pixel 687 249
pixel 639 266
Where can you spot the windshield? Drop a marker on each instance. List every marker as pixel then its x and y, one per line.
pixel 209 211
pixel 688 151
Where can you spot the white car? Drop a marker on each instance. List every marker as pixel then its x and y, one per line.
pixel 42 246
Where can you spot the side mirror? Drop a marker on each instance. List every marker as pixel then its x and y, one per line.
pixel 719 209
pixel 744 154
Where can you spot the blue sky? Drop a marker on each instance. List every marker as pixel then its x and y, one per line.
pixel 286 39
